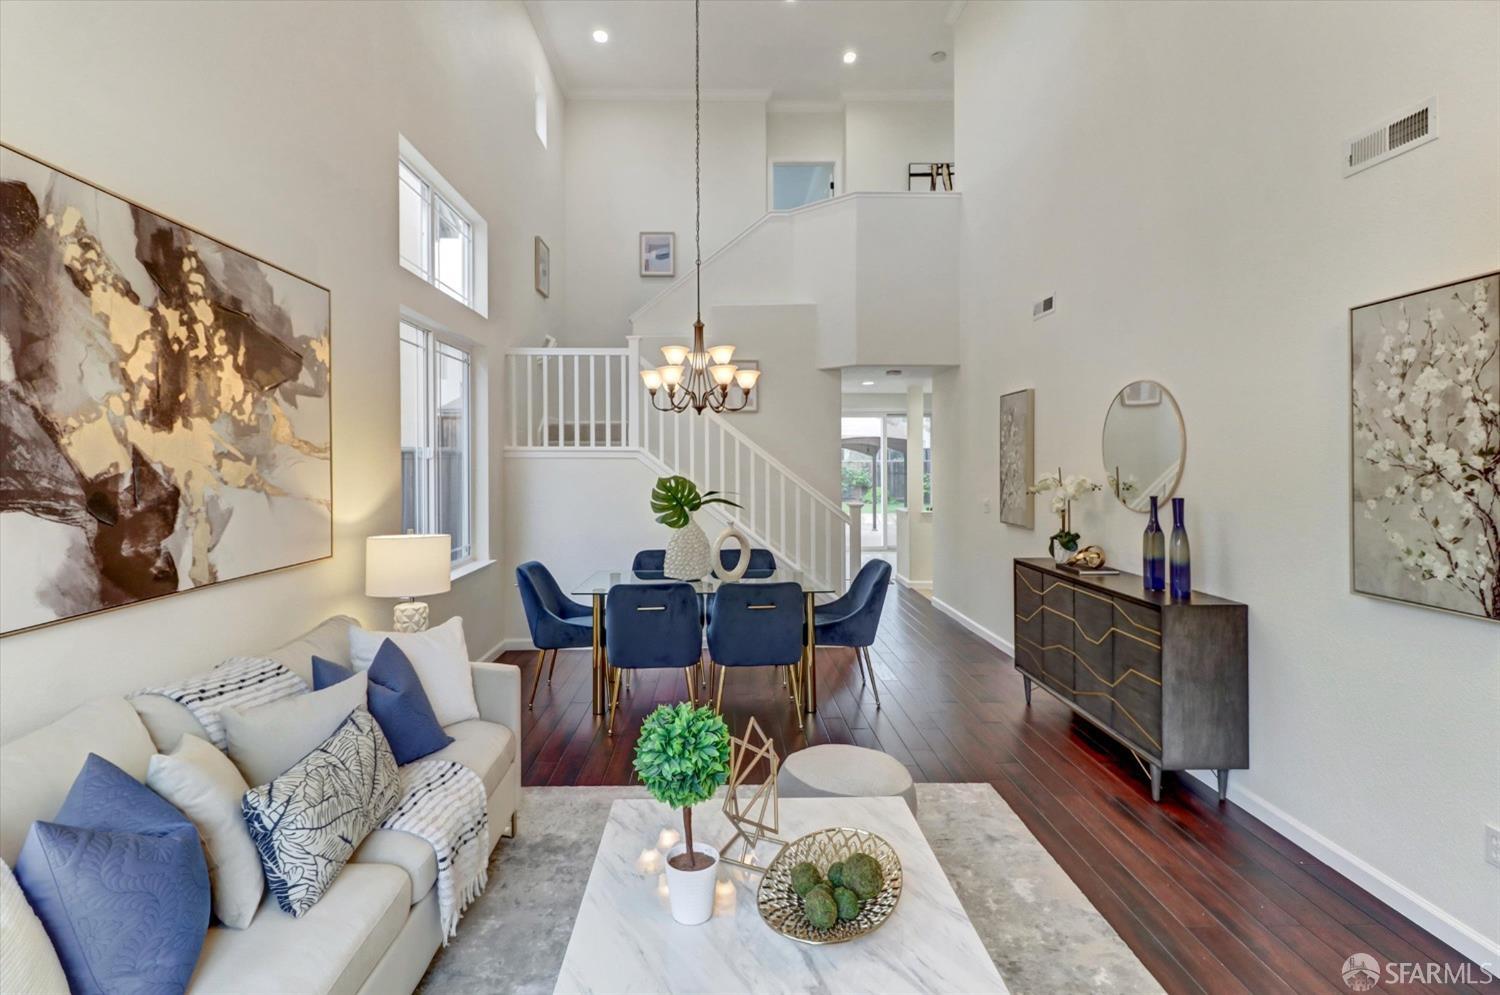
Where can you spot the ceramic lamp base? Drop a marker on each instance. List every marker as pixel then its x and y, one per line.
pixel 410 616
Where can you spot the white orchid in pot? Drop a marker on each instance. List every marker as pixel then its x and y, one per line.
pixel 1065 490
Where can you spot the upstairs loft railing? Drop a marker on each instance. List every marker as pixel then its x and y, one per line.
pixel 581 401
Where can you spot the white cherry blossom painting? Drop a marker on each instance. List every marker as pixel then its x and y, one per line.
pixel 1426 447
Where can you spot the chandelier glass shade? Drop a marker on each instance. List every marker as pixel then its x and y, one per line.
pixel 698 377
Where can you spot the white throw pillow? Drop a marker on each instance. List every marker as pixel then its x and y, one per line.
pixel 439 656
pixel 207 788
pixel 28 963
pixel 265 742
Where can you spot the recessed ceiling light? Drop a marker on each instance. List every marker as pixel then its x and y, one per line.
pixel 939 56
pixel 850 56
pixel 867 383
pixel 601 36
pixel 893 373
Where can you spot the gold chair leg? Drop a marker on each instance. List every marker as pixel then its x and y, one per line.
pixel 859 657
pixel 874 685
pixel 541 656
pixel 796 694
pixel 552 669
pixel 719 705
pixel 614 703
pixel 687 677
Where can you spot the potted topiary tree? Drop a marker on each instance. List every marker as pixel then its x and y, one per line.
pixel 674 499
pixel 682 757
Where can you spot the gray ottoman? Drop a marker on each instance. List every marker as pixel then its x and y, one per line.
pixel 836 771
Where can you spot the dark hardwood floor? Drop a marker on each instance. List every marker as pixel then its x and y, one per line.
pixel 1209 898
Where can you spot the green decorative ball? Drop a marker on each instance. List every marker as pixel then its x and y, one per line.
pixel 836 873
pixel 848 903
pixel 804 878
pixel 863 876
pixel 820 908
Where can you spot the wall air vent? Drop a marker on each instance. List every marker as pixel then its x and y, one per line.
pixel 1404 132
pixel 1043 307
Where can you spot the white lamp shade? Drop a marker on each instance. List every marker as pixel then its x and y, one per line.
pixel 407 566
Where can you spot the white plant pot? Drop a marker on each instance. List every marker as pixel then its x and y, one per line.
pixel 689 555
pixel 1060 555
pixel 692 892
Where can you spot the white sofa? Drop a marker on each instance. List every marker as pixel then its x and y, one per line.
pixel 376 929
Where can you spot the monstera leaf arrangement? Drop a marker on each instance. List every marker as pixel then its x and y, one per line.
pixel 674 499
pixel 682 757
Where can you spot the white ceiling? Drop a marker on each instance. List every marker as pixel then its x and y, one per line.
pixel 752 49
pixel 854 378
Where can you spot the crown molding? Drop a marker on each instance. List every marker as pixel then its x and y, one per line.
pixel 709 96
pixel 805 106
pixel 898 96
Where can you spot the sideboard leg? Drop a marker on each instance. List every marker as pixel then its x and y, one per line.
pixel 1155 783
pixel 1223 784
pixel 1027 681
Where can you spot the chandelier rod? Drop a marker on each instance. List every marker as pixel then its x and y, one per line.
pixel 697 160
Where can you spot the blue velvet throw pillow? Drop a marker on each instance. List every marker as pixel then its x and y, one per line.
pixel 397 701
pixel 120 883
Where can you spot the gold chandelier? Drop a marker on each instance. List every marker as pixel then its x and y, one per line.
pixel 698 377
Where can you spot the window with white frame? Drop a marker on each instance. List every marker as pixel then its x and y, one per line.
pixel 442 239
pixel 437 439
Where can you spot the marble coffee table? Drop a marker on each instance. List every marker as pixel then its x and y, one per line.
pixel 625 940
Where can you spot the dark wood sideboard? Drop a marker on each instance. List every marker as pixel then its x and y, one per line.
pixel 1168 679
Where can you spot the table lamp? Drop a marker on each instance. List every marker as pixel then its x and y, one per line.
pixel 406 567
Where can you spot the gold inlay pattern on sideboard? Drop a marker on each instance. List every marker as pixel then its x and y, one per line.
pixel 1081 632
pixel 1078 590
pixel 1086 666
pixel 1044 676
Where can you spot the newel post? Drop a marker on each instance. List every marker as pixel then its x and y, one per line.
pixel 634 413
pixel 855 552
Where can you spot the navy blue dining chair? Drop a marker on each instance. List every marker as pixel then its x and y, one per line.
pixel 853 619
pixel 649 561
pixel 757 625
pixel 762 561
pixel 649 627
pixel 556 622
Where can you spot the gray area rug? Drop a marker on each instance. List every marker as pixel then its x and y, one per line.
pixel 1042 932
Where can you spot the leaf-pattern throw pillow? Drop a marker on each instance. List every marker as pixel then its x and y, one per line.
pixel 307 822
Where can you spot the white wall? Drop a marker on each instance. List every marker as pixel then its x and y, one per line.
pixel 807 136
pixel 881 137
pixel 1221 261
pixel 274 128
pixel 628 168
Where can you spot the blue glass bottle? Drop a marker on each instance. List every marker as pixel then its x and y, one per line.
pixel 1154 553
pixel 1182 581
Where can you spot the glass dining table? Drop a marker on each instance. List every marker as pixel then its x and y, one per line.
pixel 596 587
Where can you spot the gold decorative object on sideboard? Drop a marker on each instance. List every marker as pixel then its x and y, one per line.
pixel 1167 678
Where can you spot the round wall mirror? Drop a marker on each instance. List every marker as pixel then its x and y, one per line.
pixel 1144 444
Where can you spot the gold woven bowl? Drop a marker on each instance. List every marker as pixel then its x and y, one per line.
pixel 782 909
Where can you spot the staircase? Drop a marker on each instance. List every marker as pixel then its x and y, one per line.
pixel 589 403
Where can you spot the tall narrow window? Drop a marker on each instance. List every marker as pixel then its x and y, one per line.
pixel 437 439
pixel 441 238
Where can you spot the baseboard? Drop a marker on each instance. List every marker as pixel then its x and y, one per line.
pixel 994 639
pixel 507 645
pixel 1461 937
pixel 915 585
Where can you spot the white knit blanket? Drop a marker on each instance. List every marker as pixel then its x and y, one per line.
pixel 444 803
pixel 241 681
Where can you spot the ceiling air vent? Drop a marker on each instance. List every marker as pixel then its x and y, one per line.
pixel 1405 132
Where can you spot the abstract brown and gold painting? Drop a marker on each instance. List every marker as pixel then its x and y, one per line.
pixel 165 419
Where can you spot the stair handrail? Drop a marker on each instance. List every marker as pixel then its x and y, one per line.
pixel 728 428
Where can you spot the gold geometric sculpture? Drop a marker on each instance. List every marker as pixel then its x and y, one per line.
pixel 749 819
